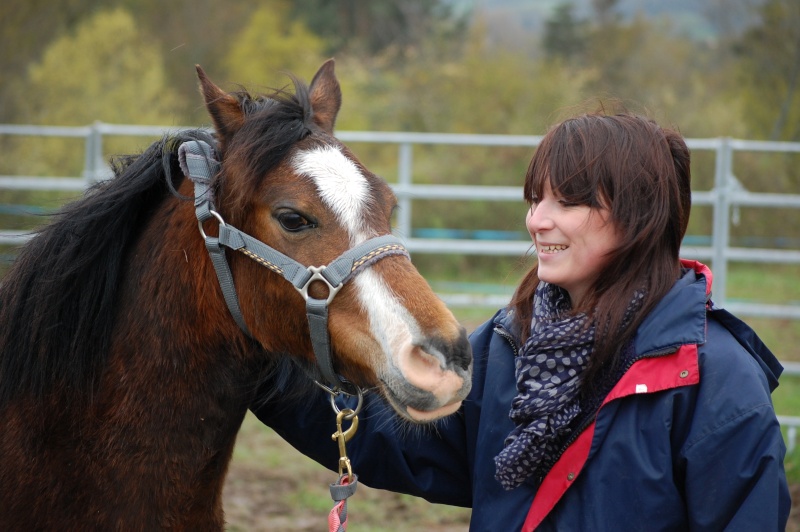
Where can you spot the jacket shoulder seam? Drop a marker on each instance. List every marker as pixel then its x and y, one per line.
pixel 734 418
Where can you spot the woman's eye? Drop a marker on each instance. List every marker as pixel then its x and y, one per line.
pixel 293 222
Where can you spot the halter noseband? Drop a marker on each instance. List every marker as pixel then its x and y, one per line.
pixel 198 161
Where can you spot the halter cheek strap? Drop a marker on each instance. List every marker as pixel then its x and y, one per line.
pixel 198 161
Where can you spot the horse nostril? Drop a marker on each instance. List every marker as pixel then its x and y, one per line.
pixel 463 353
pixel 457 354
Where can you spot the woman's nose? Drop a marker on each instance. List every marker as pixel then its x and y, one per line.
pixel 537 219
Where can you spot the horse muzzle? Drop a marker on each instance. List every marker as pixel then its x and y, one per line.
pixel 430 379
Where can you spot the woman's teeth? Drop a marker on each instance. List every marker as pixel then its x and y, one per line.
pixel 552 249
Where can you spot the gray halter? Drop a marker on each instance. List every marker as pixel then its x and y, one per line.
pixel 199 162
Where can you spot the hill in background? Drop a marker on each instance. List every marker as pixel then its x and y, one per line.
pixel 696 20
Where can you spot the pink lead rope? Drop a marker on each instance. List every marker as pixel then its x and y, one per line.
pixel 340 491
pixel 348 481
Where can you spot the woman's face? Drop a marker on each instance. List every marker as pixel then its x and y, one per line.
pixel 572 242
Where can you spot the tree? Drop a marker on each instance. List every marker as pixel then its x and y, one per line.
pixel 374 26
pixel 564 35
pixel 104 71
pixel 107 71
pixel 270 45
pixel 604 12
pixel 23 27
pixel 769 71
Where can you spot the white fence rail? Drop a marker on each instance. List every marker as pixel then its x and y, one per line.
pixel 726 195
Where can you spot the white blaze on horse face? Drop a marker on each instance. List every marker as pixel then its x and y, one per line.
pixel 416 372
pixel 391 324
pixel 345 190
pixel 341 186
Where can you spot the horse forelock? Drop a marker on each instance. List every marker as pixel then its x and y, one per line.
pixel 272 125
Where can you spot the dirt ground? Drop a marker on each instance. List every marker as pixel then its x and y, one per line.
pixel 257 500
pixel 794 516
pixel 272 487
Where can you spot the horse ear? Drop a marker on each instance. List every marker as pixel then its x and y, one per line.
pixel 225 111
pixel 326 96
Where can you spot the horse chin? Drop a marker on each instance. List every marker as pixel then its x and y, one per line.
pixel 422 416
pixel 419 406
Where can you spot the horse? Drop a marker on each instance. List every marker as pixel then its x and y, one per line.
pixel 138 325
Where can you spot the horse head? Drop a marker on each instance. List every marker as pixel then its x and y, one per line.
pixel 285 180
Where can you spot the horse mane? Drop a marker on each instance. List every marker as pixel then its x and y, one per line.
pixel 57 301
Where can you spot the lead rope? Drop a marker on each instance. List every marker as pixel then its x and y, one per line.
pixel 346 486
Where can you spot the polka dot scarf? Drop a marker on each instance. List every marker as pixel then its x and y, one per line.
pixel 548 370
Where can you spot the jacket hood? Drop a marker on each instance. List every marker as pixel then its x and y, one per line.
pixel 680 318
pixel 747 337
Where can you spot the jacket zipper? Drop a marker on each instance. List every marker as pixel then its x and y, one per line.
pixel 508 337
pixel 589 420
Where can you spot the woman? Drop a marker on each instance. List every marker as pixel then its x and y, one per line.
pixel 611 394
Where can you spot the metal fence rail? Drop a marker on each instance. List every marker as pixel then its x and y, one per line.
pixel 727 194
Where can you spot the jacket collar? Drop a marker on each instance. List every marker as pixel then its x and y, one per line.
pixel 504 319
pixel 680 317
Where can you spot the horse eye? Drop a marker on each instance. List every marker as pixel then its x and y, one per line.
pixel 293 222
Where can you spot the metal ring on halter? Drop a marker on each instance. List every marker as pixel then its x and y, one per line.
pixel 334 393
pixel 216 215
pixel 356 410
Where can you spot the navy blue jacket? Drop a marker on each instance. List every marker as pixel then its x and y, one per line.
pixel 687 438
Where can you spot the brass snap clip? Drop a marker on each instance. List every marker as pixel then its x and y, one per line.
pixel 343 436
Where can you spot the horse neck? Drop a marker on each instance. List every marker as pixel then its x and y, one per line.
pixel 159 431
pixel 183 361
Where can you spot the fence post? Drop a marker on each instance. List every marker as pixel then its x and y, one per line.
pixel 89 155
pixel 93 165
pixel 404 179
pixel 721 229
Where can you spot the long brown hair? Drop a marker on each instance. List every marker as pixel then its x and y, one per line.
pixel 640 172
